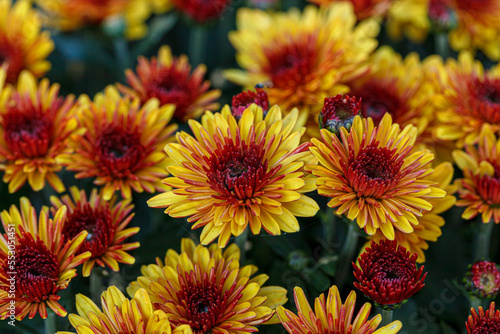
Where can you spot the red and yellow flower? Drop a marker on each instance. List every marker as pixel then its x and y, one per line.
pixel 122 148
pixel 35 128
pixel 363 8
pixel 237 174
pixel 207 289
pixel 68 15
pixel 23 46
pixel 121 315
pixel 480 322
pixel 479 189
pixel 373 176
pixel 45 261
pixel 330 315
pixel 170 80
pixel 306 56
pixel 483 279
pixel 105 223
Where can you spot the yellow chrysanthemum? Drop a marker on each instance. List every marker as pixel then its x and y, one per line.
pixel 363 8
pixel 106 224
pixel 480 188
pixel 372 176
pixel 408 18
pixel 121 315
pixel 234 174
pixel 122 148
pixel 306 56
pixel 429 227
pixel 69 15
pixel 468 98
pixel 170 80
pixel 332 316
pixel 207 289
pixel 35 128
pixel 22 45
pixel 44 263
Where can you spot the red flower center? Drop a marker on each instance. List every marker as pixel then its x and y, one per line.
pixel 381 97
pixel 374 171
pixel 245 99
pixel 28 130
pixel 486 326
pixel 482 100
pixel 119 151
pixel 37 271
pixel 97 222
pixel 292 64
pixel 237 171
pixel 12 56
pixel 202 10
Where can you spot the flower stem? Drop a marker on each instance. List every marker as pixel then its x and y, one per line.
pixel 483 237
pixel 387 316
pixel 50 323
pixel 122 54
pixel 328 221
pixel 96 285
pixel 241 241
pixel 441 44
pixel 347 254
pixel 197 43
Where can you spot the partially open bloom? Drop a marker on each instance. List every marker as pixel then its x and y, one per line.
pixel 122 148
pixel 68 15
pixel 483 279
pixel 121 315
pixel 105 223
pixel 35 128
pixel 481 322
pixel 170 80
pixel 388 274
pixel 45 261
pixel 372 176
pixel 363 8
pixel 307 55
pixel 243 100
pixel 339 112
pixel 234 175
pixel 332 316
pixel 207 289
pixel 479 189
pixel 429 225
pixel 201 10
pixel 22 45
pixel 469 97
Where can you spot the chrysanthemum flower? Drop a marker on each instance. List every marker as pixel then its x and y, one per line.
pixel 408 18
pixel 339 112
pixel 483 322
pixel 232 175
pixel 332 316
pixel 22 45
pixel 122 148
pixel 480 188
pixel 169 79
pixel 307 55
pixel 121 315
pixel 202 10
pixel 483 279
pixel 363 8
pixel 372 176
pixel 469 97
pixel 44 261
pixel 243 100
pixel 35 127
pixel 206 289
pixel 429 227
pixel 68 15
pixel 105 223
pixel 388 274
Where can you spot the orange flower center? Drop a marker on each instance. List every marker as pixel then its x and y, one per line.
pixel 28 130
pixel 374 171
pixel 97 222
pixel 37 271
pixel 12 57
pixel 119 151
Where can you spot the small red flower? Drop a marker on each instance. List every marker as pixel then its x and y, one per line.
pixel 483 322
pixel 483 279
pixel 245 99
pixel 388 274
pixel 202 10
pixel 338 112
